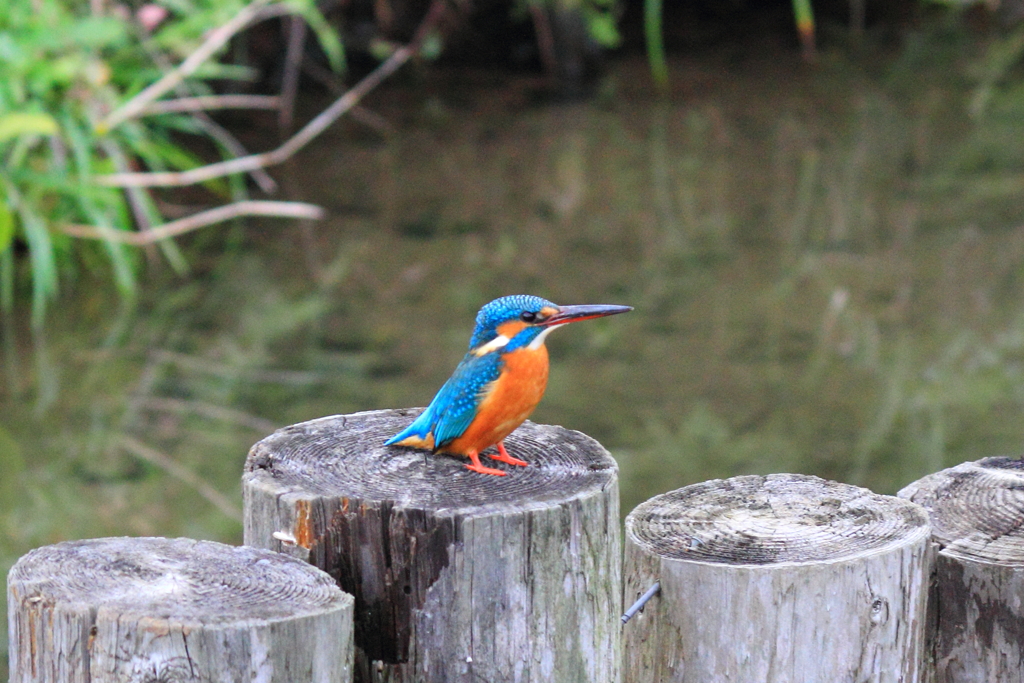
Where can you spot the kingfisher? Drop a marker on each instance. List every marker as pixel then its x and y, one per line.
pixel 499 381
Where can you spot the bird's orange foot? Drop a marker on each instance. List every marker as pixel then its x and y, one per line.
pixel 476 466
pixel 503 456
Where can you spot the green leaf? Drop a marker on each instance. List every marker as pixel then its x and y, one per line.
pixel 41 258
pixel 655 44
pixel 17 124
pixel 603 30
pixel 6 222
pixel 328 38
pixel 95 32
pixel 7 280
pixel 431 46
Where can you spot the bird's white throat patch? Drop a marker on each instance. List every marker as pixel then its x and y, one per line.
pixel 538 341
pixel 497 343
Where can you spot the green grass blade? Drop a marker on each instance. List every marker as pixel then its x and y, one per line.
pixel 804 16
pixel 112 203
pixel 145 204
pixel 41 259
pixel 7 280
pixel 6 221
pixel 655 44
pixel 328 38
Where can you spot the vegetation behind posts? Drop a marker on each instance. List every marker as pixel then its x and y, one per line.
pixel 78 98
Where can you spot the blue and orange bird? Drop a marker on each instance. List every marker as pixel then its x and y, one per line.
pixel 498 383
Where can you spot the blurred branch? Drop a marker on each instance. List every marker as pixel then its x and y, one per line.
pixel 329 80
pixel 136 198
pixel 199 220
pixel 218 38
pixel 208 367
pixel 182 473
pixel 214 412
pixel 211 127
pixel 231 143
pixel 208 102
pixel 300 139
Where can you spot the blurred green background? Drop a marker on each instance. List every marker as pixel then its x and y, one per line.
pixel 825 251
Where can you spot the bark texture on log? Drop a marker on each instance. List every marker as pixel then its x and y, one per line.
pixel 148 610
pixel 778 579
pixel 976 607
pixel 457 576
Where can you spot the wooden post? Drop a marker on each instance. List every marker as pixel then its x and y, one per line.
pixel 457 576
pixel 112 610
pixel 778 579
pixel 976 607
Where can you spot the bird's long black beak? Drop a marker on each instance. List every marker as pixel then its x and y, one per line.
pixel 572 314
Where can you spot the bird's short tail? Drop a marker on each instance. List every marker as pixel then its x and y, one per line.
pixel 416 435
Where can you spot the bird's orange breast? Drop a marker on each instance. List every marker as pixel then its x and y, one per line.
pixel 509 401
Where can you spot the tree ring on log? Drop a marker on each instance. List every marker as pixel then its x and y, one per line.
pixel 976 509
pixel 976 620
pixel 180 579
pixel 761 520
pixel 156 609
pixel 345 455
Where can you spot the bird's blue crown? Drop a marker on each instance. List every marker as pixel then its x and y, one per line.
pixel 501 311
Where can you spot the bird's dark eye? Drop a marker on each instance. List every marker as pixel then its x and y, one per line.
pixel 528 316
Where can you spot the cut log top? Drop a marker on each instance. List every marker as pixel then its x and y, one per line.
pixel 774 519
pixel 345 456
pixel 976 509
pixel 178 579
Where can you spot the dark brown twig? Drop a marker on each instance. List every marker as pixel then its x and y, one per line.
pixel 297 141
pixel 290 78
pixel 545 39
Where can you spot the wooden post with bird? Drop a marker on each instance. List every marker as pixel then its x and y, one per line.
pixel 776 579
pixel 976 610
pixel 457 575
pixel 460 570
pixel 109 610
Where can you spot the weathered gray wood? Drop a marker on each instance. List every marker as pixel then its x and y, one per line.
pixel 778 579
pixel 457 576
pixel 976 608
pixel 148 610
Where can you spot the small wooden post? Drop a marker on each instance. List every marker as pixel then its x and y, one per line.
pixel 976 608
pixel 112 610
pixel 779 579
pixel 457 576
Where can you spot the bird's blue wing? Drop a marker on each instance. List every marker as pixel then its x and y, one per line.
pixel 454 407
pixel 459 398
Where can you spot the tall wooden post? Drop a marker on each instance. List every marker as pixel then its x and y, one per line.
pixel 457 576
pixel 976 608
pixel 112 610
pixel 778 579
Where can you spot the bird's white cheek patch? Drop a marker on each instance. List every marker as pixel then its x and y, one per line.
pixel 497 343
